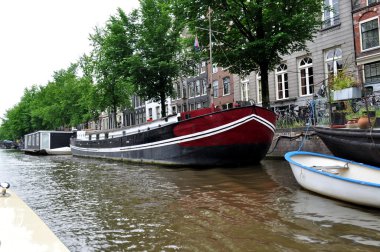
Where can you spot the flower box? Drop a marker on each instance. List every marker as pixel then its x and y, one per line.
pixel 347 94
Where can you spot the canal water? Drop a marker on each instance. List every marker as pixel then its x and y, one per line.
pixel 99 205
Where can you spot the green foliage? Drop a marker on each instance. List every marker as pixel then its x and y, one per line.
pixel 157 61
pixel 342 80
pixel 63 102
pixel 108 62
pixel 252 35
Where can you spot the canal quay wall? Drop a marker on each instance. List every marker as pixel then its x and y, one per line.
pixel 286 140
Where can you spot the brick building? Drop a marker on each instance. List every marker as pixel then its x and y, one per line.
pixel 365 16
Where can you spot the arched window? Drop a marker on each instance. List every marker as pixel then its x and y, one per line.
pixel 306 76
pixel 333 61
pixel 282 82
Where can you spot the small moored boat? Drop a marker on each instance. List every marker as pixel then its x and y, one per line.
pixel 360 145
pixel 45 142
pixel 336 177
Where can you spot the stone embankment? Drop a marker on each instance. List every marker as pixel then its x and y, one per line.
pixel 286 140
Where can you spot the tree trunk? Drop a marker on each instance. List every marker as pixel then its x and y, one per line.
pixel 114 124
pixel 163 106
pixel 265 85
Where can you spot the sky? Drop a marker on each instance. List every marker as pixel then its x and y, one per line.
pixel 39 37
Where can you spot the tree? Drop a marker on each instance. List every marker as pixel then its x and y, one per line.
pixel 252 35
pixel 156 63
pixel 18 120
pixel 112 46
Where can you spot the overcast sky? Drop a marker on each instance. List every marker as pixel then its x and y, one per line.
pixel 38 37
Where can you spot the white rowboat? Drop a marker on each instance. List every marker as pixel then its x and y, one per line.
pixel 336 177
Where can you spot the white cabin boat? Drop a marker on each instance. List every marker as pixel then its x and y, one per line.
pixel 46 142
pixel 336 177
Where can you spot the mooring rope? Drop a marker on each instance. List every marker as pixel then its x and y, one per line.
pixel 309 124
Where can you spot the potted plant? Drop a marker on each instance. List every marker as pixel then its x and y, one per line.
pixel 367 119
pixel 344 86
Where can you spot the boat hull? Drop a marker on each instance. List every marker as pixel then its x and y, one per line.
pixel 357 184
pixel 354 144
pixel 22 229
pixel 234 137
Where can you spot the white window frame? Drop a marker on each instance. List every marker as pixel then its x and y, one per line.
pixel 214 68
pixel 203 87
pixel 305 67
pixel 258 88
pixel 282 73
pixel 191 89
pixel 229 86
pixel 332 14
pixel 335 59
pixel 184 89
pixel 360 32
pixel 203 67
pixel 215 89
pixel 197 90
pixel 244 89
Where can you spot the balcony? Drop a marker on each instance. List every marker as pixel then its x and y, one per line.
pixel 331 22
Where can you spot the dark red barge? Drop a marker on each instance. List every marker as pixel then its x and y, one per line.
pixel 204 137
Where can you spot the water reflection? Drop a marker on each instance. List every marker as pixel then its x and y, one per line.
pixel 98 205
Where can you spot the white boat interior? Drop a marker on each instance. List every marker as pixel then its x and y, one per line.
pixel 340 167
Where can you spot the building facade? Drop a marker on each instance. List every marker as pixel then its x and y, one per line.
pixel 192 92
pixel 365 16
pixel 302 74
pixel 347 40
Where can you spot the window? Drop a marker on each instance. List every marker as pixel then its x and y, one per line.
pixel 150 111
pixel 198 88
pixel 204 87
pixel 372 1
pixel 184 93
pixel 214 68
pixel 191 89
pixel 282 82
pixel 306 76
pixel 369 32
pixel 244 89
pixel 259 88
pixel 331 13
pixel 226 86
pixel 372 72
pixel 215 88
pixel 158 112
pixel 178 86
pixel 333 62
pixel 203 67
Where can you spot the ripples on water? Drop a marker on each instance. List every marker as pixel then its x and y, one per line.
pixel 98 205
